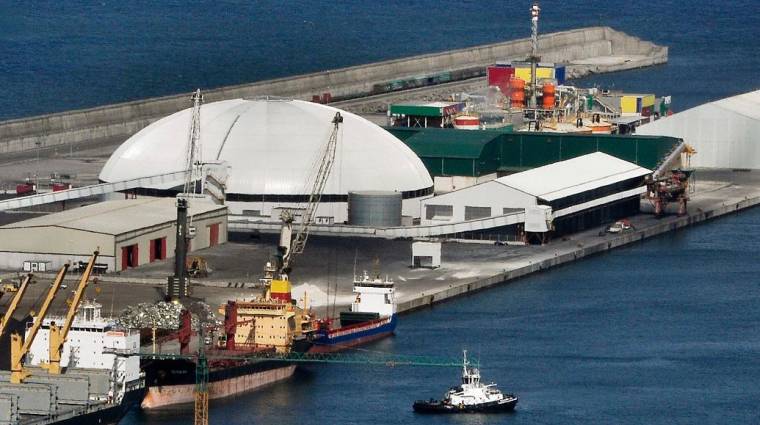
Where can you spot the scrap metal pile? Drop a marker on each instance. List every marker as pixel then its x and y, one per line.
pixel 163 315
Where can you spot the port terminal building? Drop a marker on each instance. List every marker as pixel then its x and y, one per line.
pixel 127 233
pixel 563 197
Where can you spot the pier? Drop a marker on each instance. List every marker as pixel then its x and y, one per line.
pixel 584 50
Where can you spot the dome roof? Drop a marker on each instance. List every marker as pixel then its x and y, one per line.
pixel 272 147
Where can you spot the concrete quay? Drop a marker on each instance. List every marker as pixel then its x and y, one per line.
pixel 467 267
pixel 592 49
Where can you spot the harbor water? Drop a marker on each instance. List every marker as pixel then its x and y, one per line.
pixel 58 56
pixel 665 331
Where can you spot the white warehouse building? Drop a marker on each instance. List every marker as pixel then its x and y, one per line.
pixel 272 148
pixel 724 132
pixel 127 233
pixel 569 195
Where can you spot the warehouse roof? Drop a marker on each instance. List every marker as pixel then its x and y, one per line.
pixel 442 142
pixel 117 217
pixel 576 175
pixel 723 132
pixel 271 146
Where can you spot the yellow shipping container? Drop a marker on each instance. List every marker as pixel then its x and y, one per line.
pixel 523 73
pixel 628 104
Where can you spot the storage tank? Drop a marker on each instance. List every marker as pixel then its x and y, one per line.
pixel 374 208
pixel 548 96
pixel 517 86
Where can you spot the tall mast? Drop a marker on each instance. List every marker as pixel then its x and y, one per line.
pixel 534 11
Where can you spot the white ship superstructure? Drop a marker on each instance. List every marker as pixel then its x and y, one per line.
pixel 94 342
pixel 374 295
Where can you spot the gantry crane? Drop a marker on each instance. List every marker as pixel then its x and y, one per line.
pixel 15 302
pixel 57 335
pixel 18 351
pixel 201 384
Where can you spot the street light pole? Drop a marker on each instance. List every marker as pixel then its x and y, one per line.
pixel 37 172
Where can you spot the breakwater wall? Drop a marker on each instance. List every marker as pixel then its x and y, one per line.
pixel 118 122
pixel 581 249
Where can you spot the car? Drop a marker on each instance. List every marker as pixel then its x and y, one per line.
pixel 620 226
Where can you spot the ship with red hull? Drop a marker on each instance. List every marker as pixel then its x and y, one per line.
pixel 372 317
pixel 271 323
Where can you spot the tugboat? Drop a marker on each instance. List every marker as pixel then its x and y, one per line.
pixel 470 397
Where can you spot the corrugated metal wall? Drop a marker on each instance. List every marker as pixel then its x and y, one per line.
pixel 511 152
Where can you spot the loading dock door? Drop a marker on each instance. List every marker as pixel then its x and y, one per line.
pixel 213 234
pixel 157 249
pixel 129 256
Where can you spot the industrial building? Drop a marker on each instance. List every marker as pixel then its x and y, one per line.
pixel 272 148
pixel 127 233
pixel 424 114
pixel 563 197
pixel 724 132
pixel 460 158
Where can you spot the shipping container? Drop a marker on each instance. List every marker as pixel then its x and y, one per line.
pixel 499 76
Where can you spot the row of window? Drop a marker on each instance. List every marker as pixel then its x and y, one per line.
pixel 296 199
pixel 446 212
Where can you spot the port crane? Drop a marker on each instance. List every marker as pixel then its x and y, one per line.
pixel 291 245
pixel 58 334
pixel 15 302
pixel 19 349
pixel 177 285
pixel 19 294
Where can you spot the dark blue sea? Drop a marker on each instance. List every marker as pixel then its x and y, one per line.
pixel 61 55
pixel 663 332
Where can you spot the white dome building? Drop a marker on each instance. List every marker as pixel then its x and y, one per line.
pixel 271 148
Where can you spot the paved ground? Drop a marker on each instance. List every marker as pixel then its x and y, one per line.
pixel 329 261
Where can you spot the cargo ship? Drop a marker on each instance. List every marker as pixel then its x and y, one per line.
pixel 101 382
pixel 271 322
pixel 372 316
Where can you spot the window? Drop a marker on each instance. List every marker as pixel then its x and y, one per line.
pixel 438 212
pixel 473 213
pixel 252 213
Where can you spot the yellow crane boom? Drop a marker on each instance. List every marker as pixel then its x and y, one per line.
pixel 58 335
pixel 18 351
pixel 15 302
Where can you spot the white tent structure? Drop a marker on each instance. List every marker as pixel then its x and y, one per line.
pixel 272 148
pixel 725 133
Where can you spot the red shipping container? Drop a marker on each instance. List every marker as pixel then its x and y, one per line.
pixel 22 189
pixel 60 186
pixel 499 76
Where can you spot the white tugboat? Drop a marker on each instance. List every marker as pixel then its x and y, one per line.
pixel 470 397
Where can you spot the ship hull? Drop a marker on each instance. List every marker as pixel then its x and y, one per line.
pixel 172 382
pixel 351 336
pixel 501 406
pixel 107 415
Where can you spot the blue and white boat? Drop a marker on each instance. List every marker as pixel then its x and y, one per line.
pixel 372 316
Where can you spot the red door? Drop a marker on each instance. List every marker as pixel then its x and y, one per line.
pixel 214 235
pixel 129 256
pixel 152 252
